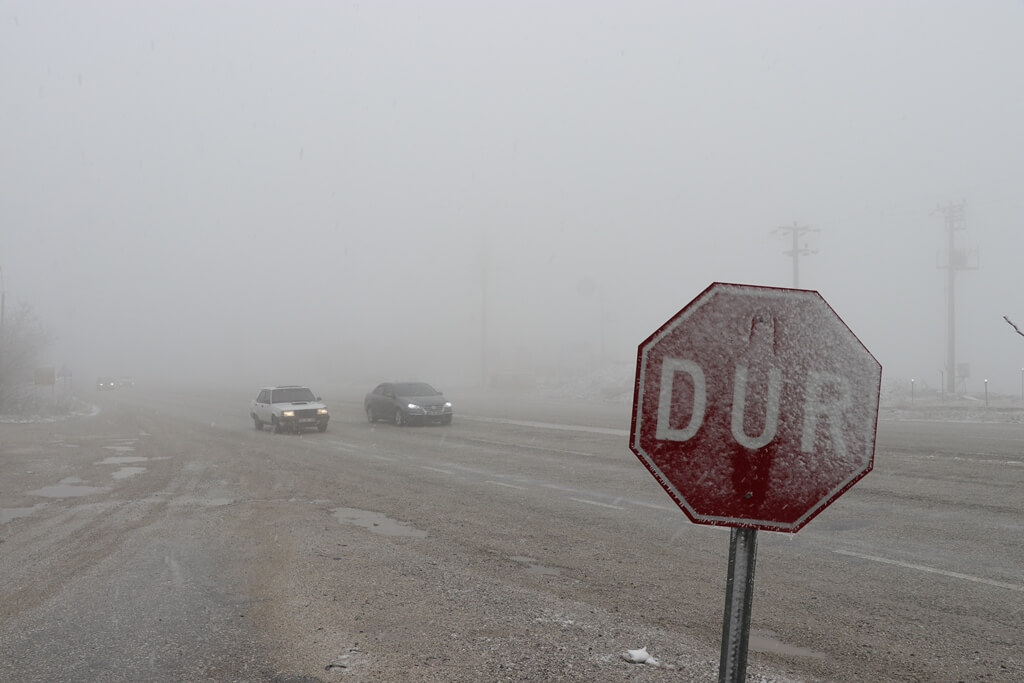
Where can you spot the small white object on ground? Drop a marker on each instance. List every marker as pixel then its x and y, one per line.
pixel 640 656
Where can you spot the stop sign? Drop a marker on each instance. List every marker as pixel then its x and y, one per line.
pixel 755 407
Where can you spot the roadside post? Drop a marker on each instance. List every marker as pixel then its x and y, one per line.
pixel 754 408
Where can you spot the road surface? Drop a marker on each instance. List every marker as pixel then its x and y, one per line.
pixel 164 539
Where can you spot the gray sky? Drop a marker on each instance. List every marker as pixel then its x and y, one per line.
pixel 314 191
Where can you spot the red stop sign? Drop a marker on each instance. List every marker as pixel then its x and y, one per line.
pixel 755 407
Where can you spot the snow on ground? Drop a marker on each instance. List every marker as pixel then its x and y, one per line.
pixel 45 411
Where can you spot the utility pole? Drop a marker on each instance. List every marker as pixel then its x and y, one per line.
pixel 484 254
pixel 954 216
pixel 3 298
pixel 795 232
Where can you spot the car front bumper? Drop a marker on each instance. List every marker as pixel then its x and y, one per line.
pixel 429 415
pixel 302 420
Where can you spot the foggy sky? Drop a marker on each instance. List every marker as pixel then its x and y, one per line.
pixel 330 191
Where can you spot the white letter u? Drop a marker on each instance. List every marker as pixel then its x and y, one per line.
pixel 739 400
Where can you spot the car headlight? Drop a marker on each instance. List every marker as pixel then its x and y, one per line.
pixel 288 413
pixel 321 411
pixel 447 404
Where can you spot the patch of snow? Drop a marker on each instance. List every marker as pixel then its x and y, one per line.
pixel 640 656
pixel 52 413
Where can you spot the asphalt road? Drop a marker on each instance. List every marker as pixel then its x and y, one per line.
pixel 164 539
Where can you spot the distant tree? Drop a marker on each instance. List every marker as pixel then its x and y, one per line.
pixel 23 339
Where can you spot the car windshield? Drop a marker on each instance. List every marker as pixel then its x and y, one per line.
pixel 414 389
pixel 292 395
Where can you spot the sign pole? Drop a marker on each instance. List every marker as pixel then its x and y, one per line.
pixel 739 594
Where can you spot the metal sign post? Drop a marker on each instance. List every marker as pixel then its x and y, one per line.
pixel 739 594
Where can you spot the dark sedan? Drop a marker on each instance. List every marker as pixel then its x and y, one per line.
pixel 407 403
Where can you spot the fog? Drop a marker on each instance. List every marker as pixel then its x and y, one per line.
pixel 258 192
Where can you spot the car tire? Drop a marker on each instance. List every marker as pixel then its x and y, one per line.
pixel 257 423
pixel 446 420
pixel 369 415
pixel 399 417
pixel 276 425
pixel 321 428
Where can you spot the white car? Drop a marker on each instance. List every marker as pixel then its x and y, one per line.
pixel 289 408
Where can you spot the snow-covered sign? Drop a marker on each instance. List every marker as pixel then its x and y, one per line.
pixel 755 407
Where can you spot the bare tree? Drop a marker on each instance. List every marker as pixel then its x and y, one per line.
pixel 23 340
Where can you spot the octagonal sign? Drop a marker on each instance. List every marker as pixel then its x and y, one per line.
pixel 755 407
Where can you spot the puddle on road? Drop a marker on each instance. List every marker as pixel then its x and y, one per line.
pixel 8 514
pixel 534 568
pixel 765 641
pixel 126 472
pixel 121 460
pixel 376 522
pixel 66 488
